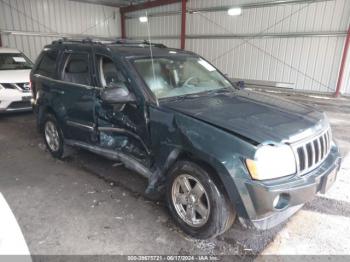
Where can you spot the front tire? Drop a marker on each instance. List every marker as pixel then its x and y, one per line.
pixel 196 203
pixel 53 136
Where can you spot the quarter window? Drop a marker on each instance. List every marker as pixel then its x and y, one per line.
pixel 76 69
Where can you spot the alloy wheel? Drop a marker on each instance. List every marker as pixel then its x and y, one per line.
pixel 52 136
pixel 190 200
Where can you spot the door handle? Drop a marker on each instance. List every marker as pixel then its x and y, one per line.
pixel 56 91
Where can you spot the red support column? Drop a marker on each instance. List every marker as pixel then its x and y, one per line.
pixel 343 63
pixel 122 24
pixel 183 24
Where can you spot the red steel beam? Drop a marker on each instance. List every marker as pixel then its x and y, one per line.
pixel 147 5
pixel 343 63
pixel 183 24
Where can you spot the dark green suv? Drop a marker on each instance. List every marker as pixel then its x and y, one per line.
pixel 214 151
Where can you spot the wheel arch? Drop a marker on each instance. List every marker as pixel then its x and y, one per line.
pixel 42 112
pixel 215 172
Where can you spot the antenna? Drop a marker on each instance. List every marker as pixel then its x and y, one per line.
pixel 150 49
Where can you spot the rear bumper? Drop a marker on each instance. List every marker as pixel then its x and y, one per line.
pixel 258 198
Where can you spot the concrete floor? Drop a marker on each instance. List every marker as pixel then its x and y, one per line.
pixel 89 205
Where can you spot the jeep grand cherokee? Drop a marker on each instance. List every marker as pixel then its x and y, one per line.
pixel 215 151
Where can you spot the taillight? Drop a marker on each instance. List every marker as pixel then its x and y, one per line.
pixel 31 86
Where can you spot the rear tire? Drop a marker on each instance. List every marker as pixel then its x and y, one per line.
pixel 198 206
pixel 53 136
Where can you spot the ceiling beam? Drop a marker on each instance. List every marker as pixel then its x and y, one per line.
pixel 268 3
pixel 147 5
pixel 115 3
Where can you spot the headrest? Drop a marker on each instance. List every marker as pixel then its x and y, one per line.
pixel 77 67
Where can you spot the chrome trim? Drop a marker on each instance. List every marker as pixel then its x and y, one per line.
pixel 323 142
pixel 80 125
pixel 313 161
pixel 65 82
pixel 306 157
pixel 323 146
pixel 319 157
pixel 328 141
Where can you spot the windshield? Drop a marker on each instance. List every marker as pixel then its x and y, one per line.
pixel 179 76
pixel 14 61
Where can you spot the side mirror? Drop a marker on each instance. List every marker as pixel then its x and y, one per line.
pixel 241 84
pixel 117 95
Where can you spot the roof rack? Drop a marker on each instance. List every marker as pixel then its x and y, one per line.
pixel 77 40
pixel 121 41
pixel 136 42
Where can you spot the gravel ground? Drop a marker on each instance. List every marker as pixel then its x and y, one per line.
pixel 89 205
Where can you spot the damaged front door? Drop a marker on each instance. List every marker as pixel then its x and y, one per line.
pixel 120 117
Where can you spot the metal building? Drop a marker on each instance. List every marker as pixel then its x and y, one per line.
pixel 296 42
pixel 299 43
pixel 29 25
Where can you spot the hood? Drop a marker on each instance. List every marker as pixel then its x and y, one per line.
pixel 14 76
pixel 253 115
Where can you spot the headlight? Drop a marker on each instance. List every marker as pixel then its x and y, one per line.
pixel 272 162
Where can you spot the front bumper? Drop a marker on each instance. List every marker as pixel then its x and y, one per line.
pixel 258 197
pixel 15 104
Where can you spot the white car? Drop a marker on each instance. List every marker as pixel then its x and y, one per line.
pixel 15 92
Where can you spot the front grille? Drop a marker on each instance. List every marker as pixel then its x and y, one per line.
pixel 24 87
pixel 311 153
pixel 19 104
pixel 9 86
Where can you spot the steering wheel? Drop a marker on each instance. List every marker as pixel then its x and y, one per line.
pixel 189 80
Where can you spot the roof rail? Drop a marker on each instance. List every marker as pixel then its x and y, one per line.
pixel 76 40
pixel 137 42
pixel 121 41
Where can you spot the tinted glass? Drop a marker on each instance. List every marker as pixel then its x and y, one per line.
pixel 178 76
pixel 14 61
pixel 47 65
pixel 77 69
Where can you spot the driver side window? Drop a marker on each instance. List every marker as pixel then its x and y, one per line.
pixel 109 74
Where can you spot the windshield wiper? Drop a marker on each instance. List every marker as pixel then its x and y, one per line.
pixel 196 95
pixel 217 91
pixel 183 97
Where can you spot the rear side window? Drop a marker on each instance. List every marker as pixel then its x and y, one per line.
pixel 77 70
pixel 48 64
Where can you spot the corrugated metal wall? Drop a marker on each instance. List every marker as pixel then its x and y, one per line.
pixel 52 17
pixel 167 26
pixel 346 82
pixel 310 62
